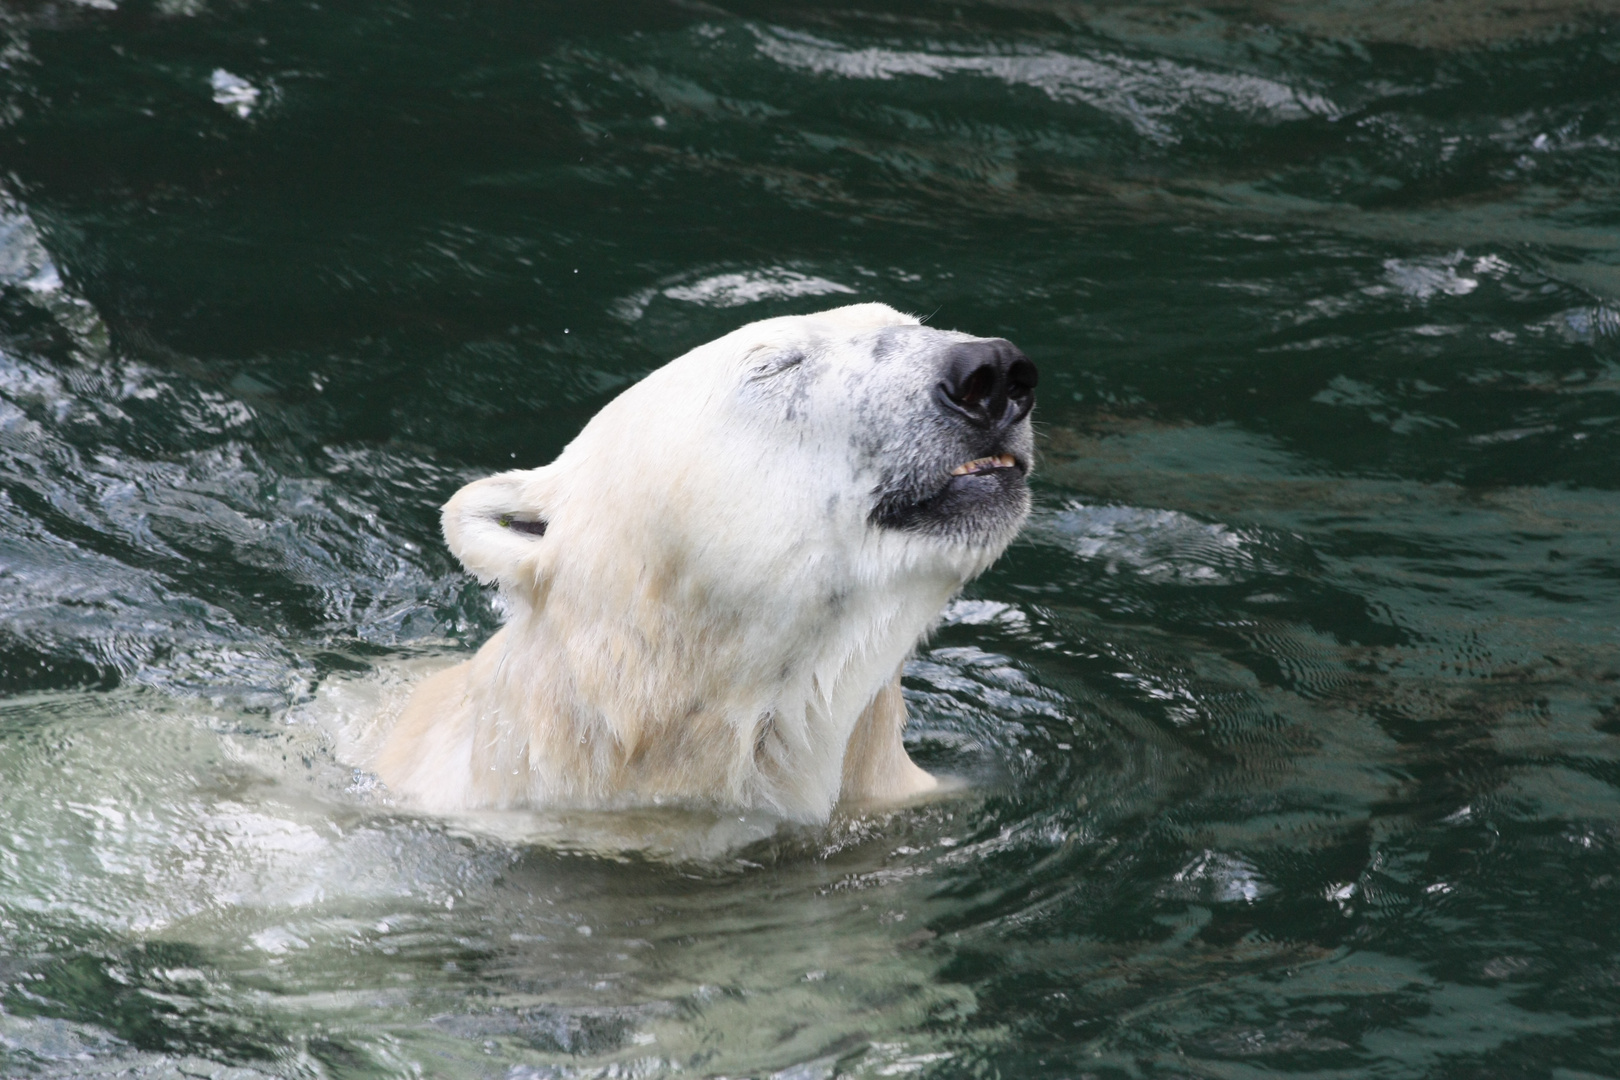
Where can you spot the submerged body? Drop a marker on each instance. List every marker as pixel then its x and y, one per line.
pixel 714 586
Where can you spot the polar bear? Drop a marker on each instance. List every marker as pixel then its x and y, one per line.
pixel 712 589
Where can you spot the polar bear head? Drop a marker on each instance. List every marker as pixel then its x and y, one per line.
pixel 750 539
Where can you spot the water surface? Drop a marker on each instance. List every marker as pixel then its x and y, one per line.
pixel 1291 727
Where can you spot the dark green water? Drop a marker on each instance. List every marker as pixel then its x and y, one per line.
pixel 1293 723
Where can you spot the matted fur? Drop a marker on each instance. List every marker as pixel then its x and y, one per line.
pixel 710 614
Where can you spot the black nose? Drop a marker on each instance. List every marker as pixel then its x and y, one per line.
pixel 990 383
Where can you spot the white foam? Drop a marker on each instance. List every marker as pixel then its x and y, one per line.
pixel 234 92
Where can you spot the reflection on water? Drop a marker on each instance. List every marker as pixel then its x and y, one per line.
pixel 1286 738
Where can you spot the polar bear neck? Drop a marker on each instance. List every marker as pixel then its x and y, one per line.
pixel 668 689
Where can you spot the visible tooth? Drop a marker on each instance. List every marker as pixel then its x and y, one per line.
pixel 1000 461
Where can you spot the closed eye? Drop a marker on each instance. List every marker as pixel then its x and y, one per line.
pixel 774 365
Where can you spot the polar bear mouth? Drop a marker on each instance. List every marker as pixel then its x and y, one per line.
pixel 985 464
pixel 974 501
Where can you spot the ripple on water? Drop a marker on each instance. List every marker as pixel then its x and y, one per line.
pixel 1167 546
pixel 1144 93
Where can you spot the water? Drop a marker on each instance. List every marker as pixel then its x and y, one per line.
pixel 1290 730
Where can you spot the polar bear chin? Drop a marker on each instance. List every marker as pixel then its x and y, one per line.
pixel 713 588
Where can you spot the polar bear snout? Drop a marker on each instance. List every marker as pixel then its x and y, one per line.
pixel 989 383
pixel 956 469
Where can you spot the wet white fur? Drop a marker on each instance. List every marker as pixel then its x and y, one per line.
pixel 709 616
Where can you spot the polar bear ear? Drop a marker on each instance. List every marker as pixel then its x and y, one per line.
pixel 495 526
